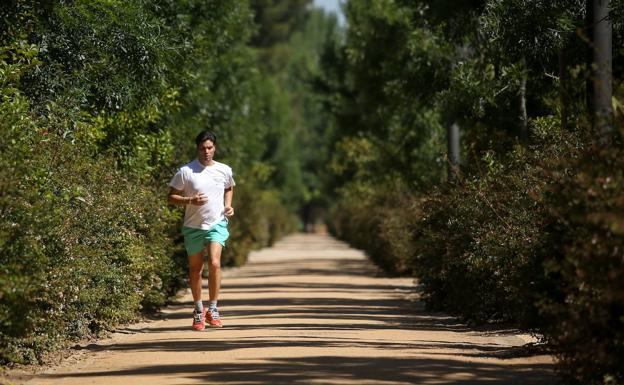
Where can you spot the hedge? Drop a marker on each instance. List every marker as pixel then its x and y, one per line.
pixel 534 240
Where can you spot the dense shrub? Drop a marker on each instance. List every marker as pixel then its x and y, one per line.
pixel 583 316
pixel 538 242
pixel 83 247
pixel 475 246
pixel 95 115
pixel 480 243
pixel 529 231
pixel 261 220
pixel 379 221
pixel 534 239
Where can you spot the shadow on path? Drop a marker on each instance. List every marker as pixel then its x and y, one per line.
pixel 307 370
pixel 320 320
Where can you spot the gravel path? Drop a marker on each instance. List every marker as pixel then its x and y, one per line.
pixel 310 310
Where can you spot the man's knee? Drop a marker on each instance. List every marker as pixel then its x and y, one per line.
pixel 214 260
pixel 215 263
pixel 196 270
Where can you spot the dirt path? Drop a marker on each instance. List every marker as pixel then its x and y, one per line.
pixel 308 311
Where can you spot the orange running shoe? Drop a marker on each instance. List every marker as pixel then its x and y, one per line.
pixel 214 321
pixel 199 319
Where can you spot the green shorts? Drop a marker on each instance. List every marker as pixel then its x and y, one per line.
pixel 196 239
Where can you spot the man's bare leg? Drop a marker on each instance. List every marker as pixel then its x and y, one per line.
pixel 196 265
pixel 214 270
pixel 214 283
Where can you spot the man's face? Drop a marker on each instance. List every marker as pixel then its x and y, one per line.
pixel 205 151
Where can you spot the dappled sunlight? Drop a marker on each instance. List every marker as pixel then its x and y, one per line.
pixel 290 319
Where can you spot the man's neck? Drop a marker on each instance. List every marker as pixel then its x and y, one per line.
pixel 209 163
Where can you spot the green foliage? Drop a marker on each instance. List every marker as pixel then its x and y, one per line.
pixel 276 21
pixel 101 101
pixel 83 248
pixel 265 220
pixel 388 99
pixel 585 312
pixel 479 245
pixel 530 234
pixel 312 129
pixel 366 218
pixel 289 111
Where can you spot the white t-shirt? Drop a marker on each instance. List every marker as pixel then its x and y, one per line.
pixel 194 178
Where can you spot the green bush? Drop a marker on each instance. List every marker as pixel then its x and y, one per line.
pixel 83 247
pixel 583 316
pixel 481 243
pixel 93 111
pixel 531 232
pixel 379 221
pixel 476 248
pixel 537 241
pixel 261 220
pixel 533 239
pixel 473 246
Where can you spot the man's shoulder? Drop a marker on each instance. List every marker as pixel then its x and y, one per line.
pixel 223 166
pixel 190 166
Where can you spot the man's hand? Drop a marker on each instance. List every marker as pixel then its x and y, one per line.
pixel 229 211
pixel 199 199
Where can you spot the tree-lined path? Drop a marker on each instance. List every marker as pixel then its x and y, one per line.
pixel 308 310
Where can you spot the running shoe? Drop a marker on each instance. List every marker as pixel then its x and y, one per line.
pixel 199 319
pixel 214 321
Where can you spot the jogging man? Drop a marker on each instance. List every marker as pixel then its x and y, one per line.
pixel 206 188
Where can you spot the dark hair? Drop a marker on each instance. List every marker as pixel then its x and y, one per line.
pixel 204 136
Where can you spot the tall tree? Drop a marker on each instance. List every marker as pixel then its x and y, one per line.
pixel 276 21
pixel 602 69
pixel 453 150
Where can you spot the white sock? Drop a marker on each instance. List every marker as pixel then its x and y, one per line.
pixel 212 305
pixel 199 306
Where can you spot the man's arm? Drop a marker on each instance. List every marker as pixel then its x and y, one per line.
pixel 227 201
pixel 176 197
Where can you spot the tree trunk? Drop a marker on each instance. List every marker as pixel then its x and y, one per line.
pixel 524 126
pixel 602 71
pixel 453 151
pixel 563 90
pixel 589 32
